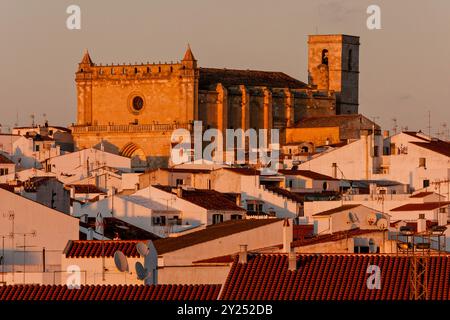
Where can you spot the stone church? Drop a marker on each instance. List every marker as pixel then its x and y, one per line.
pixel 132 109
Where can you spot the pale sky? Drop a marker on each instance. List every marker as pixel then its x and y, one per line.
pixel 404 67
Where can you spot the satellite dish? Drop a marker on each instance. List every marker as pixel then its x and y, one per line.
pixel 121 261
pixel 382 224
pixel 141 271
pixel 142 249
pixel 372 218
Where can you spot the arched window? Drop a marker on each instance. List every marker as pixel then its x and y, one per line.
pixel 159 69
pixel 349 67
pixel 148 69
pixel 171 69
pixel 325 56
pixel 135 70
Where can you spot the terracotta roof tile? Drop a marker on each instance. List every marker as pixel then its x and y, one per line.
pixel 210 233
pixel 244 171
pixel 439 146
pixel 5 160
pixel 421 206
pixel 310 239
pixel 421 194
pixel 109 292
pixel 85 188
pixel 330 277
pixel 336 210
pixel 307 174
pixel 93 248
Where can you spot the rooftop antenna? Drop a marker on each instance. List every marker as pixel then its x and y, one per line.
pixel 429 123
pixel 44 115
pixel 395 127
pixel 32 120
pixel 16 124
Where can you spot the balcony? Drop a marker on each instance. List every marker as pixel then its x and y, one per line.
pixel 130 128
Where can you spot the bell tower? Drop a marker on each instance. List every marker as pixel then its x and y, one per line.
pixel 333 64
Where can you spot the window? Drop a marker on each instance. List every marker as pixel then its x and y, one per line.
pixel 159 221
pixel 179 182
pixel 422 162
pixel 325 56
pixel 325 186
pixel 209 184
pixel 426 183
pixel 36 147
pixel 3 172
pixel 375 151
pixel 135 70
pixel 290 183
pixel 217 218
pixel 236 217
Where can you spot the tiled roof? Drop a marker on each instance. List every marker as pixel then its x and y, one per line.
pixel 286 193
pixel 415 135
pixel 7 187
pixel 421 194
pixel 245 171
pixel 5 160
pixel 421 206
pixel 231 77
pixel 211 200
pixel 220 260
pixel 330 277
pixel 336 210
pixel 208 199
pixel 85 188
pixel 439 146
pixel 306 173
pixel 186 170
pixel 109 292
pixel 210 233
pixel 308 240
pixel 126 231
pixel 94 248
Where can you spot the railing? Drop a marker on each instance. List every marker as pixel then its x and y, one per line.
pixel 131 127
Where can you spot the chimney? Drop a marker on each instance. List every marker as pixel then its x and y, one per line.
pixel 238 199
pixel 292 263
pixel 180 192
pixel 421 223
pixel 72 192
pixel 287 235
pixel 386 134
pixel 442 218
pixel 243 253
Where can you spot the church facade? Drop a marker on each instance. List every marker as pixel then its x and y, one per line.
pixel 133 109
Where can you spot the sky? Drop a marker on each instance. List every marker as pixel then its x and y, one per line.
pixel 404 66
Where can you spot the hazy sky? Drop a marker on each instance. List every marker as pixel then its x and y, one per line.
pixel 404 67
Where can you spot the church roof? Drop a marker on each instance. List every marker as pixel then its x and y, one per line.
pixel 231 77
pixel 340 120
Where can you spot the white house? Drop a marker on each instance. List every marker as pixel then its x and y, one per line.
pixel 81 164
pixel 34 236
